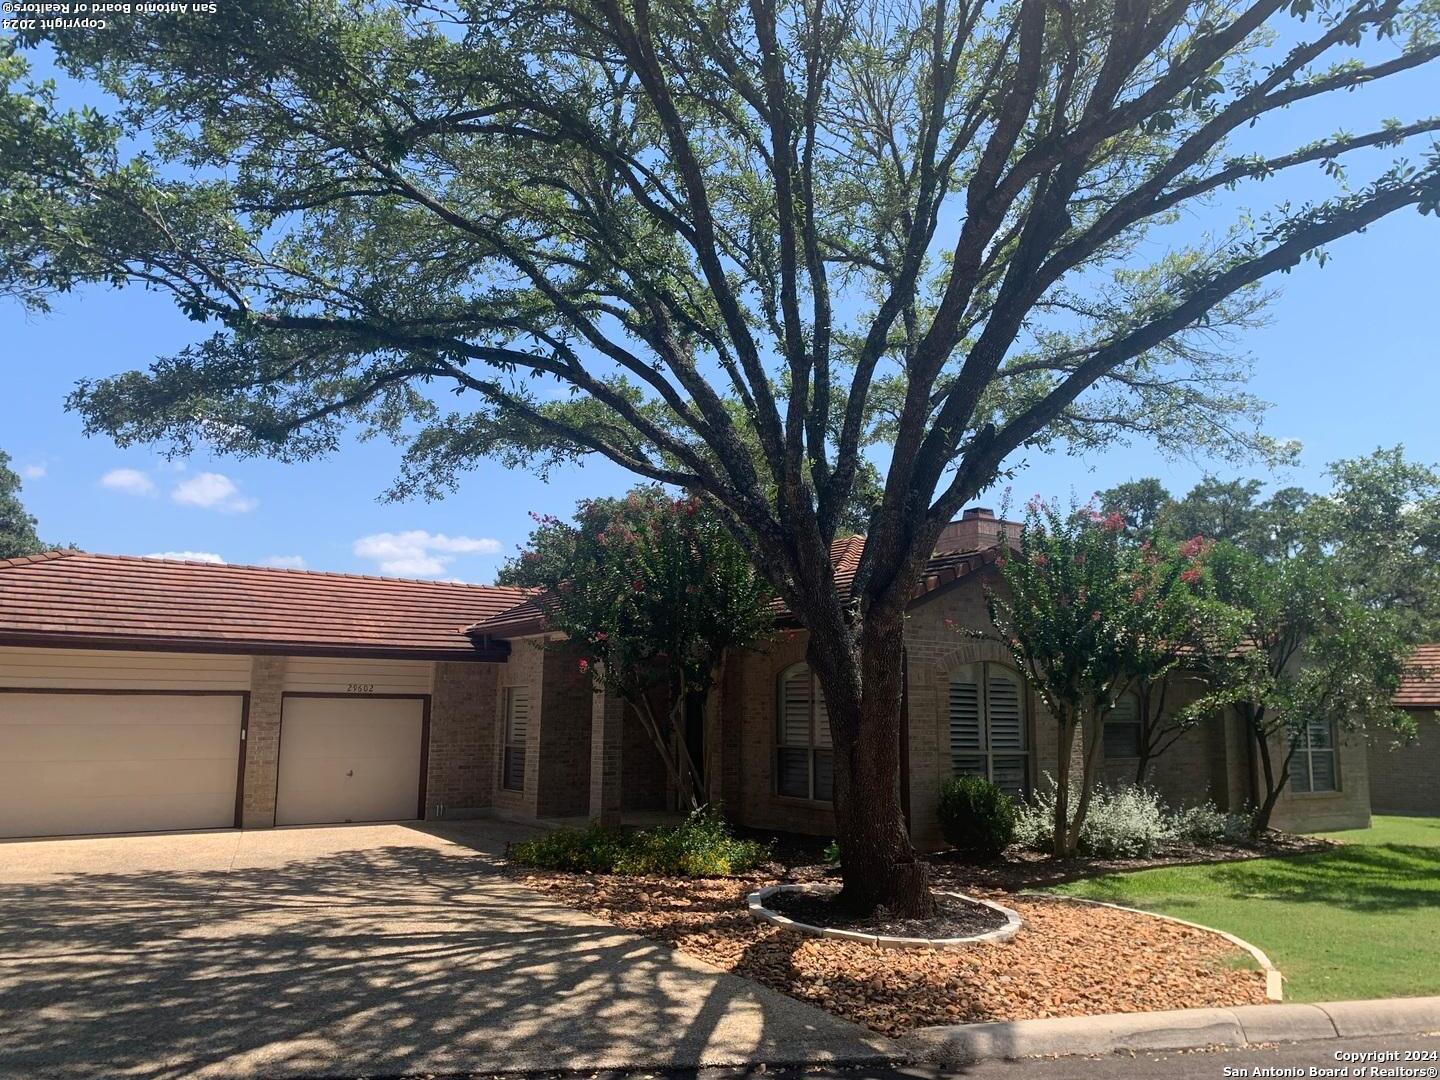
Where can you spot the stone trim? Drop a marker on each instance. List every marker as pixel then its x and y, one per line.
pixel 755 904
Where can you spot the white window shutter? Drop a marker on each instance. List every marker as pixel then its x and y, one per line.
pixel 1006 711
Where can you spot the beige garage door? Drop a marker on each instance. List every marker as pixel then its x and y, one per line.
pixel 103 763
pixel 349 759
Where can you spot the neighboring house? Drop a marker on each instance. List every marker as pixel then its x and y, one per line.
pixel 1402 773
pixel 140 694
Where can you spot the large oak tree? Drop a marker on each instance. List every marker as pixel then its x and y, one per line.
pixel 742 247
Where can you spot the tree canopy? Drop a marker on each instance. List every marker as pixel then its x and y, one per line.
pixel 650 592
pixel 17 526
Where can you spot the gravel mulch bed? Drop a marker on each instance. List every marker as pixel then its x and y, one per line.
pixel 1067 960
pixel 953 918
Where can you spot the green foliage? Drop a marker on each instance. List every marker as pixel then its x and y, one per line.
pixel 1128 822
pixel 977 819
pixel 17 528
pixel 1381 522
pixel 1087 614
pixel 649 590
pixel 1313 653
pixel 701 846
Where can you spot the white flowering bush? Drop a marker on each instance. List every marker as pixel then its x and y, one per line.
pixel 1127 822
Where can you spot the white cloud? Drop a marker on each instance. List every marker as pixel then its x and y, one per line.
pixel 212 491
pixel 417 553
pixel 33 472
pixel 188 556
pixel 285 562
pixel 128 481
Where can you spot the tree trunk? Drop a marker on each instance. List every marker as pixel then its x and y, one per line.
pixel 1090 756
pixel 862 680
pixel 1274 784
pixel 1060 841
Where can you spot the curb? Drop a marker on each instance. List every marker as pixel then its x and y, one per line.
pixel 1274 981
pixel 755 904
pixel 1176 1029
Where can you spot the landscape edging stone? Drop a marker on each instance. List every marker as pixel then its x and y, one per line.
pixel 755 905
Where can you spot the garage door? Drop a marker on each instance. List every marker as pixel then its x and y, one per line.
pixel 102 763
pixel 349 759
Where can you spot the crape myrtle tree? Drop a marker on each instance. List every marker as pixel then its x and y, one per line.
pixel 1088 615
pixel 729 245
pixel 650 592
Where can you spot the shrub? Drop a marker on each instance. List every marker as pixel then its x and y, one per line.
pixel 1127 823
pixel 976 817
pixel 1204 824
pixel 1124 823
pixel 589 850
pixel 832 852
pixel 700 846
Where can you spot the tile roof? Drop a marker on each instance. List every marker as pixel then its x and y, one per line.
pixel 123 601
pixel 1422 689
pixel 944 567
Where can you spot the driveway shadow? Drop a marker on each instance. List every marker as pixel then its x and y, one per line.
pixel 379 961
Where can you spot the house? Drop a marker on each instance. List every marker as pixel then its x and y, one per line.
pixel 142 694
pixel 1402 773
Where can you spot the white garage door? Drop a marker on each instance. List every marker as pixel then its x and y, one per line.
pixel 349 759
pixel 102 763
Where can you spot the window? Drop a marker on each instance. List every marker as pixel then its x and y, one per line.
pixel 987 727
pixel 1313 768
pixel 1123 731
pixel 517 727
pixel 804 760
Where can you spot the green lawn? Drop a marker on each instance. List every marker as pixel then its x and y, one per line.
pixel 1358 921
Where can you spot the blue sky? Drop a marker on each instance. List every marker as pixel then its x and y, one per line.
pixel 1350 361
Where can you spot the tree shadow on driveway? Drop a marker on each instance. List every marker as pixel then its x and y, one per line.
pixel 390 959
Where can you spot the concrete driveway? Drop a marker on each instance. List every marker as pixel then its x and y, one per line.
pixel 370 950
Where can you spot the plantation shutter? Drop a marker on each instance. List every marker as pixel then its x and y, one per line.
pixel 1005 714
pixel 517 729
pixel 795 707
pixel 967 733
pixel 822 718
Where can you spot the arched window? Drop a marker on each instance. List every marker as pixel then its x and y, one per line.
pixel 988 733
pixel 804 760
pixel 1123 730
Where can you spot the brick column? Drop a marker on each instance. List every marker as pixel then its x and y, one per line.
pixel 262 742
pixel 607 730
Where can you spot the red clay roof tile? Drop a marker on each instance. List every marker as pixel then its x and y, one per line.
pixel 73 597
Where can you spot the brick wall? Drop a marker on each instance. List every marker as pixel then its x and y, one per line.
pixel 460 779
pixel 1348 808
pixel 564 780
pixel 262 742
pixel 525 667
pixel 1403 779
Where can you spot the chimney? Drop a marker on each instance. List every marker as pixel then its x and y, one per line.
pixel 977 528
